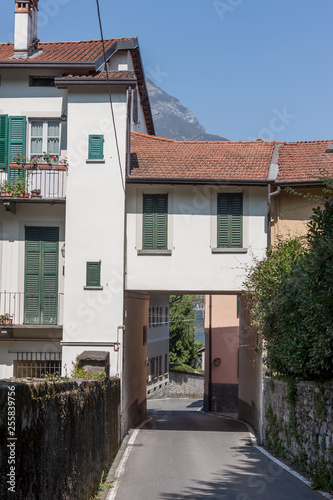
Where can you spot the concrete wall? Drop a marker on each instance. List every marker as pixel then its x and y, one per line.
pixel 298 423
pixel 134 360
pixel 250 372
pixel 224 345
pixel 192 238
pixel 67 435
pixel 186 385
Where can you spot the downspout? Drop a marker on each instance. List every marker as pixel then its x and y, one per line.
pixel 128 131
pixel 271 179
pixel 210 356
pixel 269 198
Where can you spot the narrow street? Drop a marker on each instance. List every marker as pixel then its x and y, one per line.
pixel 183 453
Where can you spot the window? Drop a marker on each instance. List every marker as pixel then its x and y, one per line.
pixel 238 305
pixel 150 316
pixel 166 315
pixel 166 367
pixel 95 151
pixel 44 136
pixel 229 220
pixel 159 366
pixel 161 316
pixel 93 274
pixel 41 81
pixel 155 219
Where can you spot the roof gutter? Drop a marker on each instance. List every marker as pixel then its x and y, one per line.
pixel 48 65
pixel 71 82
pixel 172 180
pixel 315 182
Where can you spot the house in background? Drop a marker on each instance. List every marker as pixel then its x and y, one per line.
pixel 158 347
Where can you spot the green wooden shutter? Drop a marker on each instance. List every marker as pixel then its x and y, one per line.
pixel 155 221
pixel 96 147
pixel 222 221
pixel 161 221
pixel 93 274
pixel 49 297
pixel 41 275
pixel 230 220
pixel 32 310
pixel 148 222
pixel 3 141
pixel 17 142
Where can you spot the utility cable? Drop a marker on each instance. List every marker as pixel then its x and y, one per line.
pixel 109 91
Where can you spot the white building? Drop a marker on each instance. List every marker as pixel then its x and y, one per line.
pixel 79 258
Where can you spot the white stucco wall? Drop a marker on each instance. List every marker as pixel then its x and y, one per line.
pixel 192 223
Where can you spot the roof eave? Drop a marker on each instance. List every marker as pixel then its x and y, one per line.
pixel 48 65
pixel 315 182
pixel 192 180
pixel 61 83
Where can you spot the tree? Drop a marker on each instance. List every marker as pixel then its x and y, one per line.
pixel 292 291
pixel 183 347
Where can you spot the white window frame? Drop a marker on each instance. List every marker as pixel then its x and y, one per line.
pixel 45 136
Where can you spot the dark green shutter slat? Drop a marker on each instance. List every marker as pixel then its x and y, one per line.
pixel 161 222
pixel 230 220
pixel 41 275
pixel 17 141
pixel 96 147
pixel 148 222
pixel 3 141
pixel 93 274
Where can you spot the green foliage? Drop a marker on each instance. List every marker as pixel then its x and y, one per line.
pixel 183 348
pixel 321 476
pixel 178 367
pixel 320 403
pixel 272 435
pixel 79 372
pixel 292 291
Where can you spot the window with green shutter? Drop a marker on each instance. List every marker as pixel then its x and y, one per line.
pixel 230 220
pixel 41 275
pixel 155 221
pixel 16 145
pixel 93 277
pixel 95 151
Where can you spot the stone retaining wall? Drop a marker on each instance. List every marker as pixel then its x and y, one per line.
pixel 67 434
pixel 298 422
pixel 186 385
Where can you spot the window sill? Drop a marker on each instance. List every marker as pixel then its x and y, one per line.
pixel 95 160
pixel 154 252
pixel 229 250
pixel 92 288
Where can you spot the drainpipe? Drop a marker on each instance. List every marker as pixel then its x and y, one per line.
pixel 210 356
pixel 128 131
pixel 269 197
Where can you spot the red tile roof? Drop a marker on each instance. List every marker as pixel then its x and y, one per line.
pixel 113 75
pixel 66 52
pixel 304 161
pixel 157 158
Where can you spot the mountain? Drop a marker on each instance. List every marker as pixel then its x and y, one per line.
pixel 173 120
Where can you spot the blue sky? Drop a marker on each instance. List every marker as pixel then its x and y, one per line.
pixel 246 68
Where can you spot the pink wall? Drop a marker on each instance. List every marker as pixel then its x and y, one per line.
pixel 225 338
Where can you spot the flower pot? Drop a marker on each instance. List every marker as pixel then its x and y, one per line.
pixel 8 321
pixel 35 193
pixel 16 166
pixel 45 166
pixel 6 195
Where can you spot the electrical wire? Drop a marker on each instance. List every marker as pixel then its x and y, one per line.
pixel 109 91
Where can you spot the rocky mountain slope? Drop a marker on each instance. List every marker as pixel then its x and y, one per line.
pixel 173 120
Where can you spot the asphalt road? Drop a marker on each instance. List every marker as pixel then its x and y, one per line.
pixel 182 453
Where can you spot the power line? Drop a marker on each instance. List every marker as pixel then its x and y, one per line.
pixel 109 91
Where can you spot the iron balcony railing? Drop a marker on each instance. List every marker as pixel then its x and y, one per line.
pixel 34 183
pixel 19 308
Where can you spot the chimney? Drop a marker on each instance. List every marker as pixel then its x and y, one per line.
pixel 25 37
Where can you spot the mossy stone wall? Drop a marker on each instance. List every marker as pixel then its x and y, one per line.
pixel 67 435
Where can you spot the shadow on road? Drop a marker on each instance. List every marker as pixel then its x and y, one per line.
pixel 254 479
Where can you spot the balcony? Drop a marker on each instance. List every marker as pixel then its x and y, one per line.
pixel 33 184
pixel 19 309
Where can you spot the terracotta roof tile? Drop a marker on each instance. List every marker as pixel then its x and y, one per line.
pixel 113 75
pixel 82 51
pixel 159 158
pixel 304 161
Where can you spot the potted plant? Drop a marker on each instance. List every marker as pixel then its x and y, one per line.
pixel 18 161
pixel 19 190
pixel 33 163
pixel 6 189
pixel 35 193
pixel 6 319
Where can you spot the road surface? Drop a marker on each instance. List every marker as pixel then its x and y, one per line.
pixel 185 454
